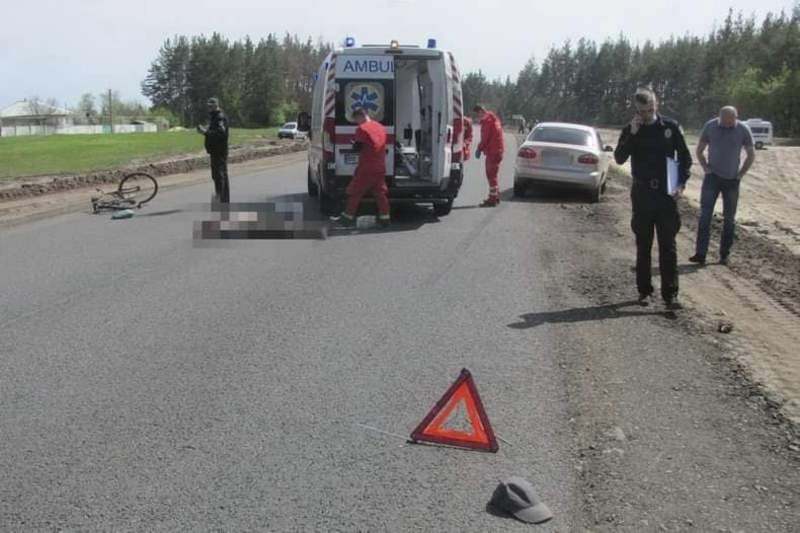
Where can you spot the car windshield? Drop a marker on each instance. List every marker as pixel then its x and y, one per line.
pixel 561 136
pixel 290 125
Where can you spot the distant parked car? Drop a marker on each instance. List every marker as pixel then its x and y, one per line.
pixel 290 131
pixel 563 155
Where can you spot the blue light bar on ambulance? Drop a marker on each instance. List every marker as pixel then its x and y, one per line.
pixel 431 43
pixel 350 42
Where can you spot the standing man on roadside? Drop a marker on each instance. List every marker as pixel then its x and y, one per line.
pixel 493 146
pixel 648 140
pixel 725 136
pixel 216 144
pixel 370 175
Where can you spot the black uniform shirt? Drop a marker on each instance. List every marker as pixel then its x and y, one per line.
pixel 217 134
pixel 648 150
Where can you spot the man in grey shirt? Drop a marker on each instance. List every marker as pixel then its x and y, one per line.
pixel 725 137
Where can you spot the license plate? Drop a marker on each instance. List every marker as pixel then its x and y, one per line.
pixel 350 159
pixel 557 158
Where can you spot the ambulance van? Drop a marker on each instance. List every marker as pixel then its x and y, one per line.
pixel 415 93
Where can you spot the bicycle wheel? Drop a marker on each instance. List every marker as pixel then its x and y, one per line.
pixel 139 188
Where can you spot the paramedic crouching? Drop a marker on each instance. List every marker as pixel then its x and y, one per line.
pixel 370 175
pixel 648 140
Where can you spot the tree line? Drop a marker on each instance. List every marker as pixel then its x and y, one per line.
pixel 753 66
pixel 258 84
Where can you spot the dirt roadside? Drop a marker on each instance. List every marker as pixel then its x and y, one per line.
pixel 171 173
pixel 758 294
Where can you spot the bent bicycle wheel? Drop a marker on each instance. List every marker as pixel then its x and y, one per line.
pixel 139 188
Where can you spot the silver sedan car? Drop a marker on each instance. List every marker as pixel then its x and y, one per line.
pixel 563 155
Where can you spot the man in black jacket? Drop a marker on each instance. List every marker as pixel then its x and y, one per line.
pixel 216 143
pixel 649 140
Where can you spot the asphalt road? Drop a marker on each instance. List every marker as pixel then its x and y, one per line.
pixel 149 382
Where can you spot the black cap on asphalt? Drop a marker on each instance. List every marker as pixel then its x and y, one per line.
pixel 518 498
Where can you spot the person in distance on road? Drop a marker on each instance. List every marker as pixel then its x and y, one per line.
pixel 648 140
pixel 370 175
pixel 467 138
pixel 493 146
pixel 216 143
pixel 725 136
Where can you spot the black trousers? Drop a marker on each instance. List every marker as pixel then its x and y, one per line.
pixel 655 211
pixel 219 173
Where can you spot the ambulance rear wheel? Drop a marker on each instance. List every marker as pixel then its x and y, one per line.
pixel 313 189
pixel 327 205
pixel 443 209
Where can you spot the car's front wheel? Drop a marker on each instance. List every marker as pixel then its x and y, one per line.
pixel 759 145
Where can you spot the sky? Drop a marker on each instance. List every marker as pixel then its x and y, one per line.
pixel 63 48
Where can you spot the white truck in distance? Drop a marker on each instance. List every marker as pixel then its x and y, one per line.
pixel 761 130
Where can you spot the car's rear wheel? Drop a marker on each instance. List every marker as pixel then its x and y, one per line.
pixel 519 189
pixel 443 209
pixel 595 195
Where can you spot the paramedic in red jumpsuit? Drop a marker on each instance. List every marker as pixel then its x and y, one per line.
pixel 492 146
pixel 370 175
pixel 467 138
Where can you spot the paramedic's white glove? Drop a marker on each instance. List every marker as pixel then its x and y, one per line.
pixel 478 153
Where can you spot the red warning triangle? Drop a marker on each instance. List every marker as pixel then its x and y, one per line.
pixel 461 393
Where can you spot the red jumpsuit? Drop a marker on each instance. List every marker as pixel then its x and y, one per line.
pixel 371 170
pixel 467 138
pixel 492 147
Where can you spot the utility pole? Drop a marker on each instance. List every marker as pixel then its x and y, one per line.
pixel 110 111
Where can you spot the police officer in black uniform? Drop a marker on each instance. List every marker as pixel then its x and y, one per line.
pixel 216 144
pixel 648 140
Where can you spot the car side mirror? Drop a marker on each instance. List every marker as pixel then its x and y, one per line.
pixel 608 149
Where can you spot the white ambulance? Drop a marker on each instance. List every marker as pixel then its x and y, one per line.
pixel 415 93
pixel 761 130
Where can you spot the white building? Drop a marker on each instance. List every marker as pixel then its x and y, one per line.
pixel 32 118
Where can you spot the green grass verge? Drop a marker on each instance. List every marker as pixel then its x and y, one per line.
pixel 68 154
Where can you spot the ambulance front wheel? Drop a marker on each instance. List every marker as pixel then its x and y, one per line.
pixel 759 145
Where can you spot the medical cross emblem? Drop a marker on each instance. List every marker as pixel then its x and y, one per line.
pixel 365 100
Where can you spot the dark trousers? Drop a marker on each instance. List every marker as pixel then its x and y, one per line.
pixel 219 173
pixel 655 211
pixel 713 186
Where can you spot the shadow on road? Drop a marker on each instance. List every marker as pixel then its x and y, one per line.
pixel 583 314
pixel 682 269
pixel 547 195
